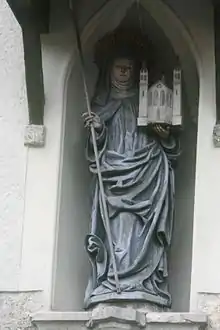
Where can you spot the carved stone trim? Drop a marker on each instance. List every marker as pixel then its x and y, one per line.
pixel 216 136
pixel 34 136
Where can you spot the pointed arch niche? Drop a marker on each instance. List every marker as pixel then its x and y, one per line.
pixel 168 34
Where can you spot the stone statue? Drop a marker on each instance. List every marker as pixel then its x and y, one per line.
pixel 138 178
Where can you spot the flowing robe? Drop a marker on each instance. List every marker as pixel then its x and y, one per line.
pixel 138 181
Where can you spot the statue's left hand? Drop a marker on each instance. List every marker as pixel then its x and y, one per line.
pixel 162 131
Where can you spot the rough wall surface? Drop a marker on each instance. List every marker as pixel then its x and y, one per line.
pixel 210 305
pixel 16 309
pixel 13 154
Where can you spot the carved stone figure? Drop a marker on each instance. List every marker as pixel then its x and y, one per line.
pixel 138 178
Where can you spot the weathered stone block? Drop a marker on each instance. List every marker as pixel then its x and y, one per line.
pixel 34 135
pixel 16 309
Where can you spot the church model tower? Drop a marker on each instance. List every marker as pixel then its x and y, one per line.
pixel 160 104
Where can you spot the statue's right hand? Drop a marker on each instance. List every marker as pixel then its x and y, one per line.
pixel 92 120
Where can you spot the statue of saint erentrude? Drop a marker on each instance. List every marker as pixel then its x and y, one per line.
pixel 138 177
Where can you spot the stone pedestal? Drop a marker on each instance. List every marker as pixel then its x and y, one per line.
pixel 141 307
pixel 119 318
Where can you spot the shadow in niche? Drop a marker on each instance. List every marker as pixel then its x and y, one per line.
pixel 72 268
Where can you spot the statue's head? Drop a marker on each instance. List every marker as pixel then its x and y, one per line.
pixel 122 70
pixel 119 56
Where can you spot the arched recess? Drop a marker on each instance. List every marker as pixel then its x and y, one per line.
pixel 71 263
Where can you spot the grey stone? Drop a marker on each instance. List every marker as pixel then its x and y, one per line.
pixel 209 303
pixel 34 135
pixel 128 315
pixel 216 135
pixel 16 309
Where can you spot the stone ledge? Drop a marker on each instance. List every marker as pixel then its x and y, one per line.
pixel 181 318
pixel 61 316
pixel 119 318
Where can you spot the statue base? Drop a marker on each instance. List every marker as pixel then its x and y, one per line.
pixel 141 307
pixel 121 316
pixel 138 298
pixel 128 317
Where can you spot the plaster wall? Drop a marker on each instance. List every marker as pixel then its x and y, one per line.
pixel 16 309
pixel 205 286
pixel 39 233
pixel 13 155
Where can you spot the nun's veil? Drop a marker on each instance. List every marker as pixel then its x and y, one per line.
pixel 121 43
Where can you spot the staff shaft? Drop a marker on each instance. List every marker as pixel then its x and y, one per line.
pixel 96 153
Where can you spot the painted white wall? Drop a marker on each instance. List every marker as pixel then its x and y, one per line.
pixel 13 155
pixel 39 233
pixel 198 18
pixel 206 244
pixel 28 177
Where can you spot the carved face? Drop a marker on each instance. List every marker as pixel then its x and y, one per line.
pixel 122 70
